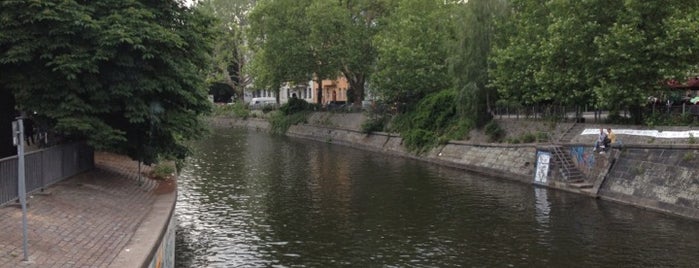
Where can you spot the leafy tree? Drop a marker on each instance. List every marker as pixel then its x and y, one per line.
pixel 315 39
pixel 230 52
pixel 277 35
pixel 648 43
pixel 411 51
pixel 566 69
pixel 470 54
pixel 612 54
pixel 125 75
pixel 516 55
pixel 359 54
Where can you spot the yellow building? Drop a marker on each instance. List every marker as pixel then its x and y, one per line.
pixel 333 90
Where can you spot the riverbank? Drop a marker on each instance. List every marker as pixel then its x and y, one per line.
pixel 105 217
pixel 660 174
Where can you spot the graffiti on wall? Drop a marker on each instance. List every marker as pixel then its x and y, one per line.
pixel 543 160
pixel 585 160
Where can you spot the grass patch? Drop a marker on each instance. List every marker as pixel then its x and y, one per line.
pixel 238 110
pixel 688 156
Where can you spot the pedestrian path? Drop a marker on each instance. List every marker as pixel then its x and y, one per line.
pixel 84 221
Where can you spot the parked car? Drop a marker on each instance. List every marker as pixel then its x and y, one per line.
pixel 262 102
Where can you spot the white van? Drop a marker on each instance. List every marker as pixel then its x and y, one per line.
pixel 259 103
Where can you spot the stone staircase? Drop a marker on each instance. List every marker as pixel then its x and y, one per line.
pixel 573 131
pixel 564 165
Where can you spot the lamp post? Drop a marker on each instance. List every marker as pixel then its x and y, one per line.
pixel 18 140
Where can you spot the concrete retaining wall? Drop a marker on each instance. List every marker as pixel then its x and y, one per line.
pixel 165 253
pixel 661 179
pixel 509 161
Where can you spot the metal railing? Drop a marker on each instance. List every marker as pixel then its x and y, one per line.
pixel 44 167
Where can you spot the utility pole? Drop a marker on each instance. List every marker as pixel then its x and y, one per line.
pixel 18 140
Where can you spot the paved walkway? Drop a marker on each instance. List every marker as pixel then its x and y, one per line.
pixel 84 221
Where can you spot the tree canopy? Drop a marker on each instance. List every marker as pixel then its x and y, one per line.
pixel 314 39
pixel 230 54
pixel 607 54
pixel 125 75
pixel 411 51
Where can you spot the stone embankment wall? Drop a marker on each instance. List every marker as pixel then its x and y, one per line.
pixel 509 161
pixel 662 177
pixel 665 179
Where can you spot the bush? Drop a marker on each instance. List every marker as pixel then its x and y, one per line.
pixel 434 120
pixel 238 109
pixel 294 105
pixel 691 139
pixel 374 123
pixel 512 140
pixel 542 136
pixel 280 122
pixel 494 131
pixel 268 108
pixel 528 138
pixel 418 140
pixel 162 172
pixel 457 132
pixel 688 156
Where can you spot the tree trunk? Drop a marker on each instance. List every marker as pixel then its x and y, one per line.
pixel 7 115
pixel 356 83
pixel 319 96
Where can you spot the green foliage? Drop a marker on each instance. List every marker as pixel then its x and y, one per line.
pixel 298 40
pixel 665 119
pixel 469 52
pixel 691 139
pixel 280 122
pixel 238 109
pixel 294 105
pixel 411 52
pixel 688 156
pixel 433 120
pixel 418 140
pixel 605 54
pixel 494 132
pixel 241 110
pixel 374 123
pixel 542 136
pixel 230 52
pixel 127 76
pixel 458 131
pixel 163 171
pixel 268 108
pixel 528 138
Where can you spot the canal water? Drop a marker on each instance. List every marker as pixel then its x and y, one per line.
pixel 248 199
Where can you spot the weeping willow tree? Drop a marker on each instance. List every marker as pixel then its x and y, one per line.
pixel 469 62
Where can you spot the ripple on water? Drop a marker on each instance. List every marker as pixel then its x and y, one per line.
pixel 246 199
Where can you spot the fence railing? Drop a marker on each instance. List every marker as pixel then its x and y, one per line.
pixel 43 168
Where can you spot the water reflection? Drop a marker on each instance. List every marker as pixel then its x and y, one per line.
pixel 251 200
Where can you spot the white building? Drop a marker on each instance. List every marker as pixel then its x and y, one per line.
pixel 286 91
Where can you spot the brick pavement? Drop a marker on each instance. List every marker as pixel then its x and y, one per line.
pixel 84 221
